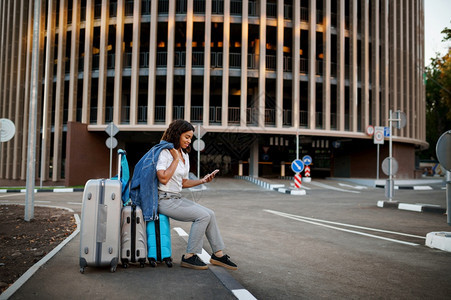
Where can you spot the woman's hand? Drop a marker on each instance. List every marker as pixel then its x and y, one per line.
pixel 175 154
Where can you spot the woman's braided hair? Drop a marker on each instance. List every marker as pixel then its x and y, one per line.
pixel 175 130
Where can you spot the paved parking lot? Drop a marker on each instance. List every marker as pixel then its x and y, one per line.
pixel 333 242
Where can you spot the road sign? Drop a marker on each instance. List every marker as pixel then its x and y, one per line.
pixel 378 137
pixel 307 160
pixel 111 129
pixel 199 145
pixel 297 180
pixel 200 132
pixel 386 166
pixel 297 166
pixel 7 130
pixel 111 142
pixel 370 130
pixel 443 150
pixel 386 131
pixel 399 119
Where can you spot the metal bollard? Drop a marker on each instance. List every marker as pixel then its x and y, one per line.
pixel 282 169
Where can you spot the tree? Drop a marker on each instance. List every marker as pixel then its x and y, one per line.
pixel 438 98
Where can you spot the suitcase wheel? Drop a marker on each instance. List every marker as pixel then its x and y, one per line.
pixel 152 262
pixel 168 262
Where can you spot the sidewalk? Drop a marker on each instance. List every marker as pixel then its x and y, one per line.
pixel 60 278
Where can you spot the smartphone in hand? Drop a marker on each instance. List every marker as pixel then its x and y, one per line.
pixel 214 172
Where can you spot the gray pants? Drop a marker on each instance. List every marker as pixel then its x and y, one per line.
pixel 204 221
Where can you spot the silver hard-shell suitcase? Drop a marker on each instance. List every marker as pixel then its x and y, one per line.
pixel 133 236
pixel 100 224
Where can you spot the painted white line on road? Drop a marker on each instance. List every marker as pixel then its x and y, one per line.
pixel 11 195
pixel 357 187
pixel 41 201
pixel 74 203
pixel 315 222
pixel 332 187
pixel 243 294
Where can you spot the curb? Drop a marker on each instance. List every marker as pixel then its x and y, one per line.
pixel 414 187
pixel 30 272
pixel 412 207
pixel 273 187
pixel 55 190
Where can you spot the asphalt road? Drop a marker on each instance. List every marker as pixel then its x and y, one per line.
pixel 333 242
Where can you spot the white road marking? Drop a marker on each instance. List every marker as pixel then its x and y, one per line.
pixel 13 194
pixel 357 187
pixel 316 222
pixel 332 187
pixel 74 203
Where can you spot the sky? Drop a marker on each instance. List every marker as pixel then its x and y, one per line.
pixel 437 16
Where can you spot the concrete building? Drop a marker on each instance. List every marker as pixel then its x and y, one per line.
pixel 253 73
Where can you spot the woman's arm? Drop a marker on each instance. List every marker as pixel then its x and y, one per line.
pixel 187 183
pixel 165 175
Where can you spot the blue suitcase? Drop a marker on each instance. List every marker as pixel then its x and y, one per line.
pixel 159 241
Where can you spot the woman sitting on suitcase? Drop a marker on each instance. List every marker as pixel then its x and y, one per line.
pixel 172 172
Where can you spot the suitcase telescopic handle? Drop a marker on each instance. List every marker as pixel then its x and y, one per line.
pixel 120 153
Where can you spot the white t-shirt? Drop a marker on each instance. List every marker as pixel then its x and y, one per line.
pixel 174 184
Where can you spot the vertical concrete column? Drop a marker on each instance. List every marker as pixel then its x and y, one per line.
pixel 74 58
pixel 401 58
pixel 48 91
pixel 12 86
pixel 279 71
pixel 104 27
pixel 326 63
pixel 393 59
pixel 87 68
pixel 225 65
pixel 152 63
pixel 312 65
pixel 341 67
pixel 244 50
pixel 295 90
pixel 20 83
pixel 365 64
pixel 385 62
pixel 409 67
pixel 59 96
pixel 29 37
pixel 134 86
pixel 6 59
pixel 118 62
pixel 3 24
pixel 375 63
pixel 253 159
pixel 207 65
pixel 422 111
pixel 262 66
pixel 170 64
pixel 188 59
pixel 353 75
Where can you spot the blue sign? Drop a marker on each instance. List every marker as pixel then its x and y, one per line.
pixel 297 166
pixel 386 131
pixel 307 159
